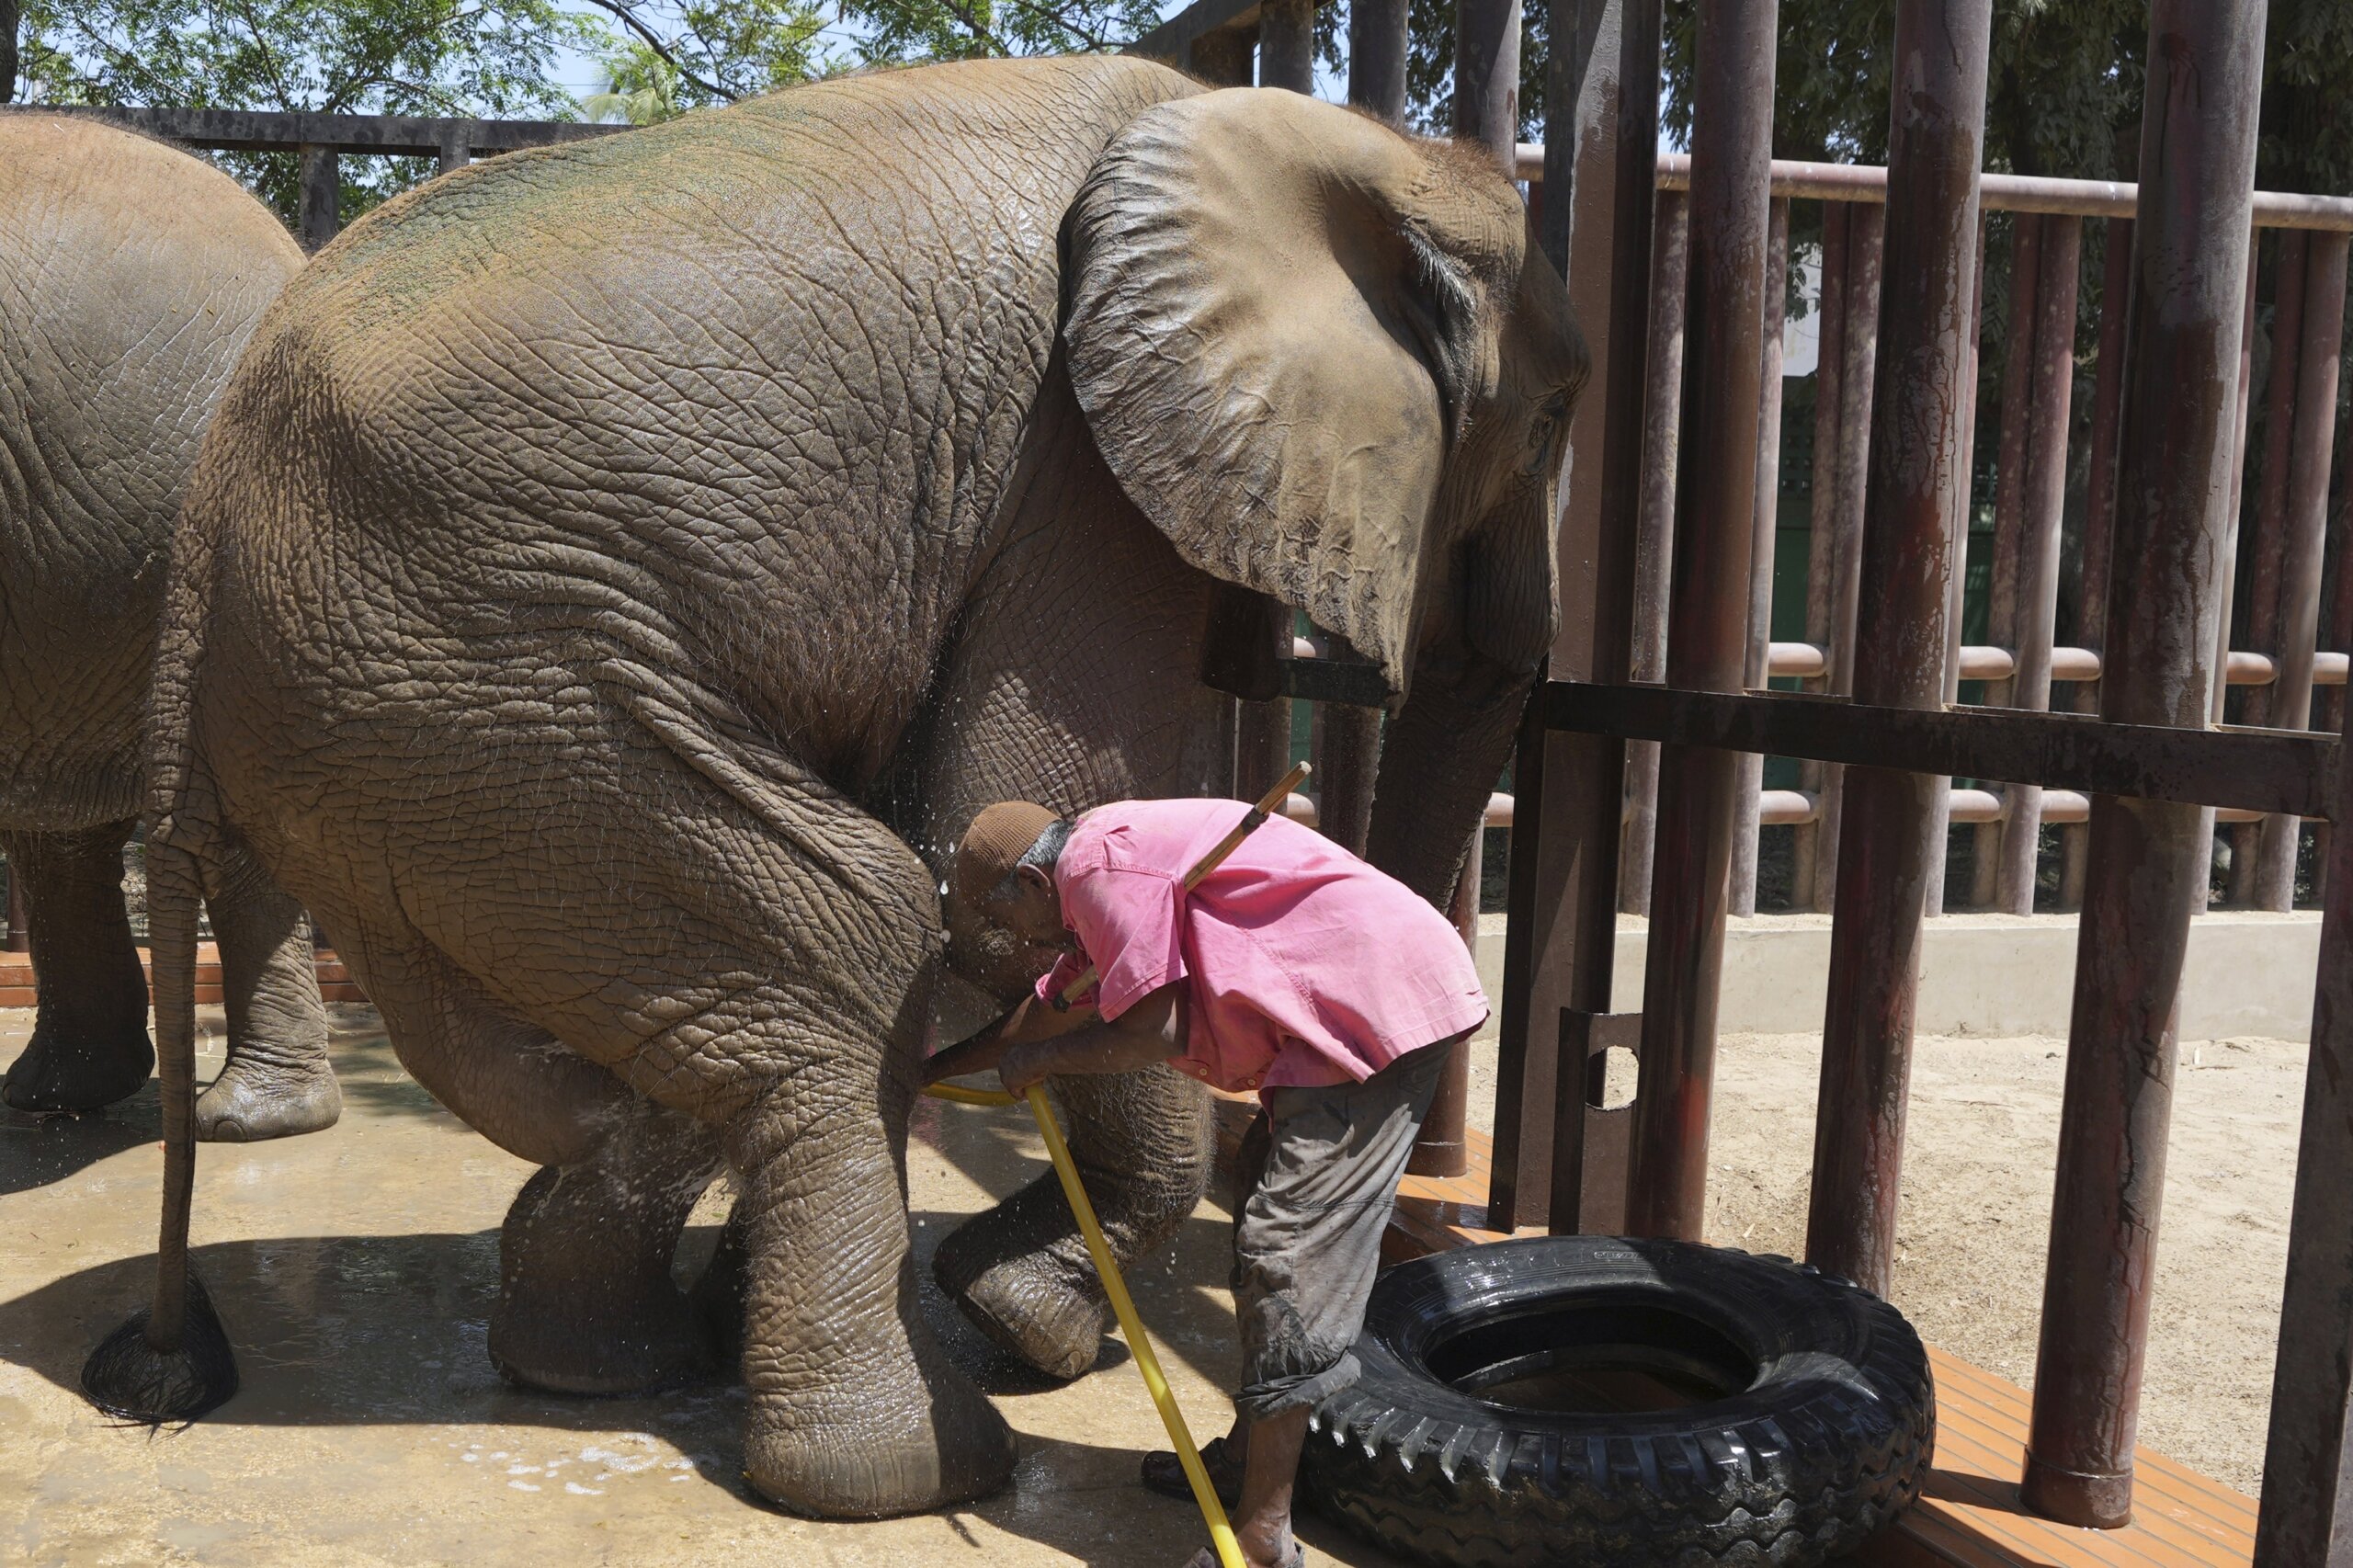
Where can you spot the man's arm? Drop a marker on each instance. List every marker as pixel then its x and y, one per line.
pixel 1152 1030
pixel 1028 1019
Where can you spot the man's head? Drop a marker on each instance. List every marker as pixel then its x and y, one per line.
pixel 1004 869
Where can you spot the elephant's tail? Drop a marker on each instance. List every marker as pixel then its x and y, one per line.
pixel 171 1361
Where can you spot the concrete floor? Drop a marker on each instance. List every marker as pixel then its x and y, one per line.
pixel 356 1270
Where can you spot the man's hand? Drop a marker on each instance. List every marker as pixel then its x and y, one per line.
pixel 1150 1031
pixel 1028 1019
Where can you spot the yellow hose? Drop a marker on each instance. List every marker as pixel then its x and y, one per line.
pixel 1229 1551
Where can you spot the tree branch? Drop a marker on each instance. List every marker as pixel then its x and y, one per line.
pixel 646 35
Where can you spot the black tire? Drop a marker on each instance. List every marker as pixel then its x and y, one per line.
pixel 1813 1423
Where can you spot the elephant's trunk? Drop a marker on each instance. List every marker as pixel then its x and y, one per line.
pixel 1438 763
pixel 1448 746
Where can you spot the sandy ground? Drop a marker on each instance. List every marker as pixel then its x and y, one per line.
pixel 1980 1149
pixel 355 1269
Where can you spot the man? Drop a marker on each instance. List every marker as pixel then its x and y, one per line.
pixel 1294 969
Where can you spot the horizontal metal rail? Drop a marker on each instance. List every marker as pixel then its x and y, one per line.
pixel 1979 662
pixel 2251 770
pixel 257 130
pixel 1999 192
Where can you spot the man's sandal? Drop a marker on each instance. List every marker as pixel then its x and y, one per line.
pixel 1205 1557
pixel 1164 1473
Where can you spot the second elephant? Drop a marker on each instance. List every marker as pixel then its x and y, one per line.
pixel 621 570
pixel 131 276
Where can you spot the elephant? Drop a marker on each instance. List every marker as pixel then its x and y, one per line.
pixel 619 572
pixel 131 277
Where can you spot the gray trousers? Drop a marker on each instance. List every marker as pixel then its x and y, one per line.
pixel 1318 1175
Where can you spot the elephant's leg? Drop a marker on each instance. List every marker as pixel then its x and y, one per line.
pixel 276 1081
pixel 89 1046
pixel 586 1301
pixel 855 1409
pixel 1143 1143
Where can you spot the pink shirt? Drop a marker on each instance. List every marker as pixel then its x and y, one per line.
pixel 1304 965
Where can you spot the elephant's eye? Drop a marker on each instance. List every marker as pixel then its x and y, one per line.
pixel 1544 434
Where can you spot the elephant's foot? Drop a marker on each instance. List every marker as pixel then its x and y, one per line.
pixel 585 1302
pixel 1031 1305
pixel 73 1066
pixel 907 1444
pixel 254 1099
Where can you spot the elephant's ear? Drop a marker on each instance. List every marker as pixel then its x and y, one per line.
pixel 1274 318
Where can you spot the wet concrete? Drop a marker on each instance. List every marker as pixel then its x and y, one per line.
pixel 356 1269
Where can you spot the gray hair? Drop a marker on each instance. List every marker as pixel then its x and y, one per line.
pixel 1043 853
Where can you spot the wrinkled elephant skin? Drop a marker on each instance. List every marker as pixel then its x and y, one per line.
pixel 618 571
pixel 131 278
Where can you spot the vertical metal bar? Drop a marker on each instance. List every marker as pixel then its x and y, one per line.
pixel 1287 45
pixel 1859 348
pixel 2307 1509
pixel 1654 535
pixel 1830 345
pixel 2267 551
pixel 1708 615
pixel 19 937
pixel 2042 504
pixel 1377 60
pixel 1487 75
pixel 1440 1148
pixel 322 193
pixel 2228 597
pixel 2009 509
pixel 2340 640
pixel 1224 58
pixel 2304 528
pixel 2190 268
pixel 1917 444
pixel 1963 503
pixel 2099 505
pixel 456 151
pixel 1762 526
pixel 1600 163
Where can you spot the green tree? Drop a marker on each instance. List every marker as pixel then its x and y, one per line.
pixel 705 53
pixel 482 58
pixel 906 31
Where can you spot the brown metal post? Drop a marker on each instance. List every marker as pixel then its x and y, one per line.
pixel 1762 526
pixel 1963 500
pixel 2267 550
pixel 1655 536
pixel 18 937
pixel 1858 347
pixel 2340 640
pixel 321 197
pixel 1708 616
pixel 1600 163
pixel 1224 57
pixel 1377 59
pixel 2228 597
pixel 2009 509
pixel 1829 356
pixel 2099 505
pixel 1487 75
pixel 2190 268
pixel 1287 45
pixel 1886 845
pixel 2307 1512
pixel 2043 497
pixel 2297 618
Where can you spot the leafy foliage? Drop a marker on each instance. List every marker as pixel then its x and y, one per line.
pixel 429 57
pixel 698 53
pixel 903 31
